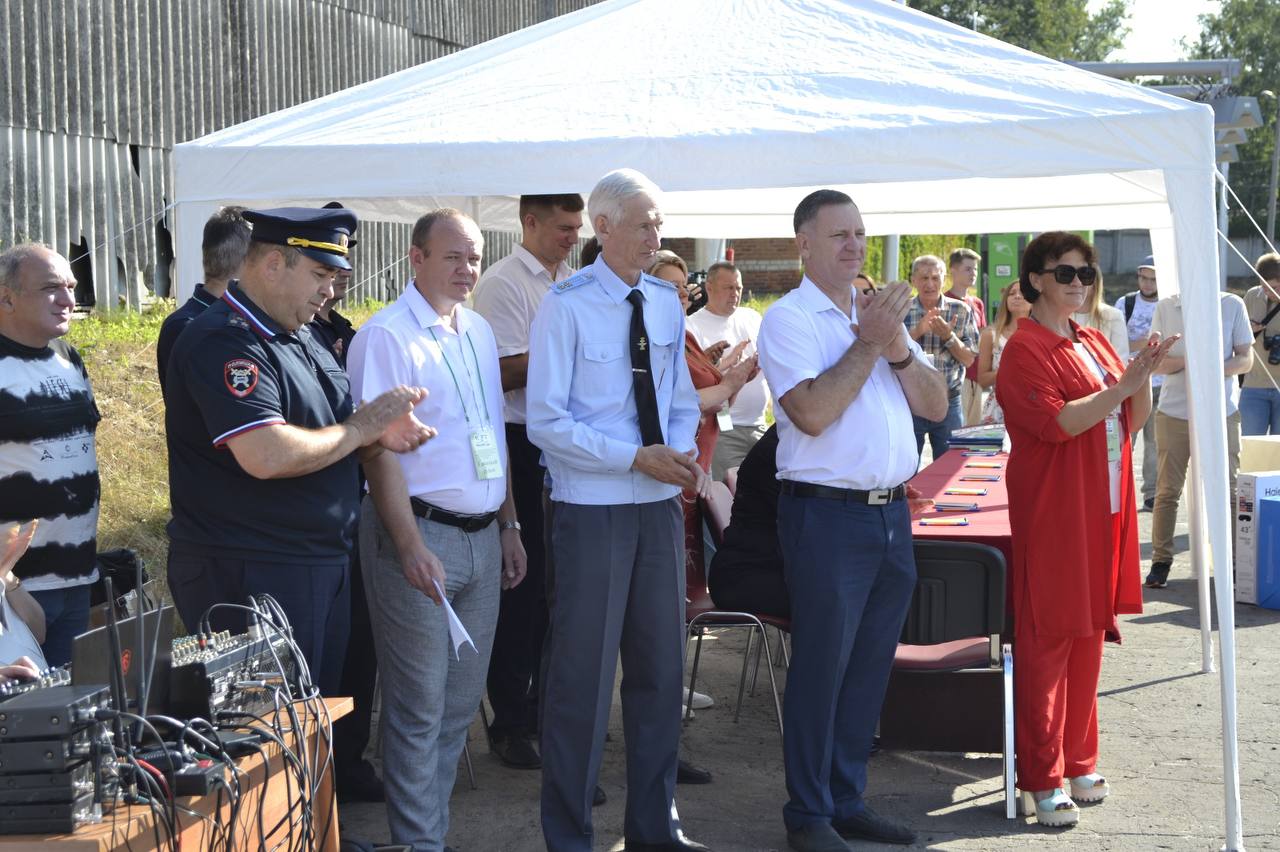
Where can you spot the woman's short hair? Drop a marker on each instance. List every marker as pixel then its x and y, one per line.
pixel 669 258
pixel 1050 244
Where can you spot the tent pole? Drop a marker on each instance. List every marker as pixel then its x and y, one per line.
pixel 889 269
pixel 1223 168
pixel 1200 563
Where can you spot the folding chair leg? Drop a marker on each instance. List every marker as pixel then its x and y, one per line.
pixel 466 758
pixel 742 679
pixel 786 649
pixel 693 675
pixel 755 674
pixel 773 684
pixel 1010 793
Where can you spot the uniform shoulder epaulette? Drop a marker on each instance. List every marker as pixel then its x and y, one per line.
pixel 653 279
pixel 577 279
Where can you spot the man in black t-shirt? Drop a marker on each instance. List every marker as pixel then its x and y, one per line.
pixel 226 239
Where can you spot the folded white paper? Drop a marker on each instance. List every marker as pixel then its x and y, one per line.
pixel 457 633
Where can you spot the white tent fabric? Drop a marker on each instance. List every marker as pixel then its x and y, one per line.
pixel 737 108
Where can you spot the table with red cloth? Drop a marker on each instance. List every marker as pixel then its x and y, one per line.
pixel 988 525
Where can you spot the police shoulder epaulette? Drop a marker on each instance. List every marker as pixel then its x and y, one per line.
pixel 660 282
pixel 576 280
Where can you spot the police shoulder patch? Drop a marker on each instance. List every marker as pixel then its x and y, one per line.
pixel 576 280
pixel 655 280
pixel 240 376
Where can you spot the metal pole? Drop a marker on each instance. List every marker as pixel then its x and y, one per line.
pixel 1200 561
pixel 1223 250
pixel 1275 173
pixel 889 269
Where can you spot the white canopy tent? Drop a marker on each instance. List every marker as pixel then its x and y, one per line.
pixel 737 108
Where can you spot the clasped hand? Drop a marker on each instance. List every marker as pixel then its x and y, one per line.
pixel 671 466
pixel 880 319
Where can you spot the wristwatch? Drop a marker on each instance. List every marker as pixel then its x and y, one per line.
pixel 503 526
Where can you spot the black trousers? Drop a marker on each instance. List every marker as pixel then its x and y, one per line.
pixel 359 678
pixel 515 663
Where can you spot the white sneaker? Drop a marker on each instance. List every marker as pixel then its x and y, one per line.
pixel 700 701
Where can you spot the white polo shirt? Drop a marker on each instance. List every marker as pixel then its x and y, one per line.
pixel 1236 331
pixel 507 297
pixel 406 343
pixel 742 324
pixel 873 443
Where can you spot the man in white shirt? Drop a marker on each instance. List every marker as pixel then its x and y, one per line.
pixel 1138 307
pixel 614 410
pixel 508 296
pixel 433 535
pixel 848 379
pixel 1173 431
pixel 724 320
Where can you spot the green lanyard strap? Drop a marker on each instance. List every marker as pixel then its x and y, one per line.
pixel 480 403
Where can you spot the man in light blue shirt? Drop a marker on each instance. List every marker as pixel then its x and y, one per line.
pixel 612 407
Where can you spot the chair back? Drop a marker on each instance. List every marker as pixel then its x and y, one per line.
pixel 959 594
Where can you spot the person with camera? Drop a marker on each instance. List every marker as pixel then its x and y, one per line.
pixel 1173 429
pixel 1260 398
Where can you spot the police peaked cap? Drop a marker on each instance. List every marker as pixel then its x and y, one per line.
pixel 323 235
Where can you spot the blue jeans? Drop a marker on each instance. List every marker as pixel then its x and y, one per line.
pixel 850 570
pixel 1259 411
pixel 938 431
pixel 66 616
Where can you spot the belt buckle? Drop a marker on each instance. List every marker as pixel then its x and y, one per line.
pixel 879 496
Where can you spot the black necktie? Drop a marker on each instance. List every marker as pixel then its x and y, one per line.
pixel 641 376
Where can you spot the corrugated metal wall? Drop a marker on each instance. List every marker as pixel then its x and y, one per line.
pixel 97 92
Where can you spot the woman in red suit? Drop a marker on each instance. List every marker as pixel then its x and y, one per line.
pixel 1070 406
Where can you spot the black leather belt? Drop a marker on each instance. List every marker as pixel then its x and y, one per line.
pixel 466 523
pixel 878 497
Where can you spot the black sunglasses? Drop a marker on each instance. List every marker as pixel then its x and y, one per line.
pixel 1064 274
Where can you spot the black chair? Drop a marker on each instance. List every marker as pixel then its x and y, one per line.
pixel 952 683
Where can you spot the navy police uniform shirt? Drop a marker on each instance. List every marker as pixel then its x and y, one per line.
pixel 175 323
pixel 232 370
pixel 334 334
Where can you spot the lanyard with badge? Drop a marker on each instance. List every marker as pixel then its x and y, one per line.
pixel 484 441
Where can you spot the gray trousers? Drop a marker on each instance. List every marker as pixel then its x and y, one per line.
pixel 619 587
pixel 428 697
pixel 732 447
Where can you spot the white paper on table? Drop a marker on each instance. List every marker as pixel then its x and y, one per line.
pixel 457 632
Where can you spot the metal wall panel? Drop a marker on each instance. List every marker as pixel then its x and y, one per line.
pixel 97 92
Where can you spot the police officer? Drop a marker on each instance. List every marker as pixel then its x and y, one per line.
pixel 611 404
pixel 262 442
pixel 332 329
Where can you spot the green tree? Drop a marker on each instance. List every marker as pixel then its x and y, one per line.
pixel 1247 30
pixel 1059 29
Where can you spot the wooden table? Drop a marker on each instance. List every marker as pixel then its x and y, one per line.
pixel 133 827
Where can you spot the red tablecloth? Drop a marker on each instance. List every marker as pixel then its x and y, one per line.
pixel 988 525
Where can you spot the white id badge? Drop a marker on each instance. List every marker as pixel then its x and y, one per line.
pixel 723 419
pixel 484 452
pixel 1113 438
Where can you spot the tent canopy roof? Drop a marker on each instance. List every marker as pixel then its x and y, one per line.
pixel 786 94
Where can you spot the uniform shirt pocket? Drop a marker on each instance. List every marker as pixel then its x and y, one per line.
pixel 603 366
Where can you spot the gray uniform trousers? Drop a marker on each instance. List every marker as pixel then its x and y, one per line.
pixel 428 697
pixel 619 587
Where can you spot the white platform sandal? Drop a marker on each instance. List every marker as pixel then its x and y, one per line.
pixel 1089 788
pixel 1052 807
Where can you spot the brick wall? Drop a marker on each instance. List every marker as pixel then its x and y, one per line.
pixel 768 266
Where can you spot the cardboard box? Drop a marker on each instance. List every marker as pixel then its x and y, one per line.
pixel 1267 578
pixel 1259 453
pixel 1251 490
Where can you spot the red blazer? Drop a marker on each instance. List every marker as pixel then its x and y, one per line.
pixel 704 375
pixel 1075 564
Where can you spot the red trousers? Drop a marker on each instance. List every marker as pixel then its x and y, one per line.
pixel 1055 700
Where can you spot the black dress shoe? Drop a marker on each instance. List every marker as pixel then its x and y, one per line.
pixel 680 844
pixel 360 784
pixel 515 751
pixel 816 837
pixel 869 825
pixel 598 798
pixel 687 773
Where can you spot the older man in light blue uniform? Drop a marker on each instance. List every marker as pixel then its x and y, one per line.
pixel 612 407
